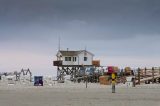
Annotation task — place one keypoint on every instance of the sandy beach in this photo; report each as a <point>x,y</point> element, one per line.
<point>74,94</point>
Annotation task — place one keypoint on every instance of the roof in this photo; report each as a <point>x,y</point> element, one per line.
<point>72,53</point>
<point>69,53</point>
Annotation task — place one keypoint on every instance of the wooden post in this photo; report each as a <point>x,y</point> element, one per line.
<point>113,83</point>
<point>139,76</point>
<point>152,75</point>
<point>145,71</point>
<point>159,70</point>
<point>134,81</point>
<point>57,73</point>
<point>31,78</point>
<point>86,81</point>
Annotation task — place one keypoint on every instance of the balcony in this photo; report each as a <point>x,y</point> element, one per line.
<point>57,63</point>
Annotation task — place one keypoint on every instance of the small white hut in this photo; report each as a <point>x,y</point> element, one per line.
<point>81,57</point>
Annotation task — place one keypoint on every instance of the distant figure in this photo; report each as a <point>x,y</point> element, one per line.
<point>132,72</point>
<point>36,83</point>
<point>41,82</point>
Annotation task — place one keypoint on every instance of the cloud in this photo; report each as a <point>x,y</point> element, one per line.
<point>111,19</point>
<point>115,29</point>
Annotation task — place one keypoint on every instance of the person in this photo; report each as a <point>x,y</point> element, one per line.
<point>41,82</point>
<point>132,72</point>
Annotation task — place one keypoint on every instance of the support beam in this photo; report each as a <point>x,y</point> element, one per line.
<point>145,71</point>
<point>152,74</point>
<point>159,70</point>
<point>139,75</point>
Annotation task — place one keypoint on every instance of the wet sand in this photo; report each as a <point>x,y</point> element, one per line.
<point>77,95</point>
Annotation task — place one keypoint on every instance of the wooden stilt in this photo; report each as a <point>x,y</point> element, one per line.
<point>139,75</point>
<point>152,74</point>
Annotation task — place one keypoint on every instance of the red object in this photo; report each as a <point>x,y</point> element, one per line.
<point>110,69</point>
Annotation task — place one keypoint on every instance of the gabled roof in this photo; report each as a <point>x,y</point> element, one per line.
<point>72,53</point>
<point>69,53</point>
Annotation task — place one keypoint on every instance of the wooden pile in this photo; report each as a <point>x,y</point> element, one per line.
<point>104,80</point>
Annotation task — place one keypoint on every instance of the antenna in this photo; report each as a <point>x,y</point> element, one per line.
<point>85,48</point>
<point>59,43</point>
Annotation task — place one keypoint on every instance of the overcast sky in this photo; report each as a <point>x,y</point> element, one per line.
<point>118,32</point>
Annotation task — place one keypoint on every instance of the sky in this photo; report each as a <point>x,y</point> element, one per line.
<point>118,32</point>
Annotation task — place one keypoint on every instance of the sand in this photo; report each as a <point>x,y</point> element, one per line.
<point>73,94</point>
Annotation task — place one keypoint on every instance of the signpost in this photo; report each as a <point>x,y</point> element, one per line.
<point>86,81</point>
<point>113,82</point>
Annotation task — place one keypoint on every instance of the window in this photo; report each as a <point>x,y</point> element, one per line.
<point>85,58</point>
<point>74,58</point>
<point>67,58</point>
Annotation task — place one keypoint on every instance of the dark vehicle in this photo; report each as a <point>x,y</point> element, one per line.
<point>38,80</point>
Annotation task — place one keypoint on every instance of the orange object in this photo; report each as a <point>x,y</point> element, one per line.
<point>96,63</point>
<point>104,80</point>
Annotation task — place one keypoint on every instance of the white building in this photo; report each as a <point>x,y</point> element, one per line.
<point>81,57</point>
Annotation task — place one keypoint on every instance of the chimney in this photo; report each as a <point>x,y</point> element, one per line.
<point>67,49</point>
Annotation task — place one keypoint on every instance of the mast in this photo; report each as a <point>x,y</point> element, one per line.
<point>59,43</point>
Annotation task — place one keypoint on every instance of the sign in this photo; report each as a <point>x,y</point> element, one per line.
<point>113,76</point>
